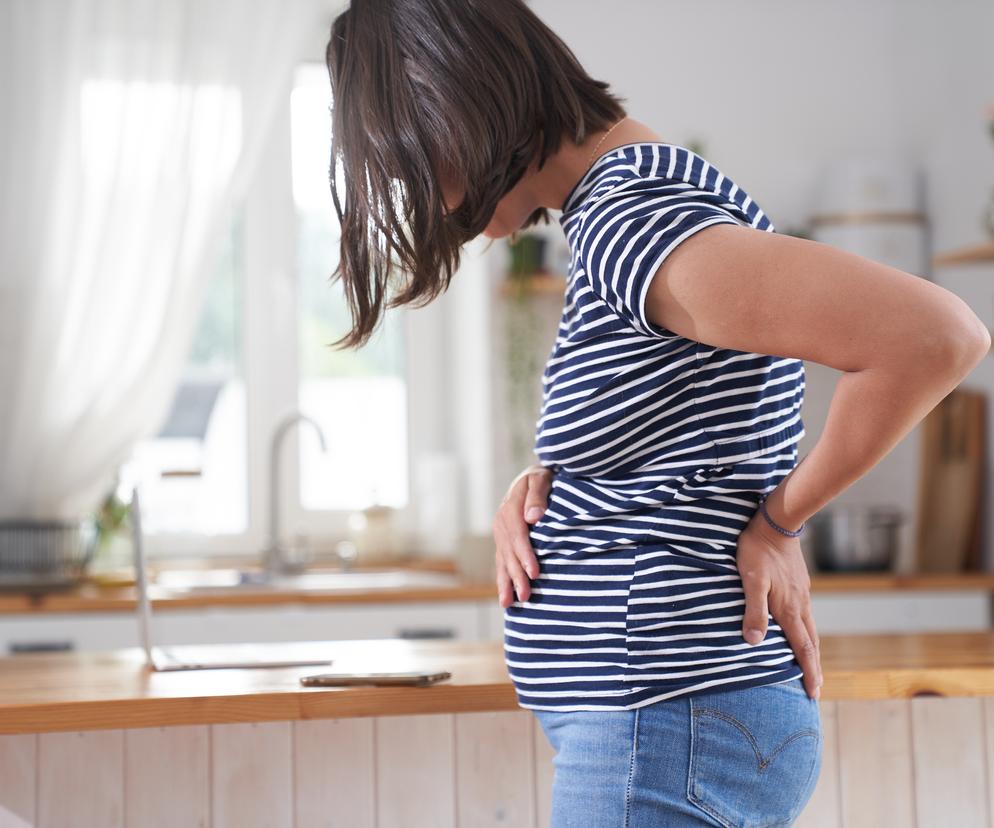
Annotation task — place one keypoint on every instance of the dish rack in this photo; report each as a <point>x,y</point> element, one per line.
<point>45,555</point>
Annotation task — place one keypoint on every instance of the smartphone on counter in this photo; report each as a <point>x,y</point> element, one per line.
<point>417,678</point>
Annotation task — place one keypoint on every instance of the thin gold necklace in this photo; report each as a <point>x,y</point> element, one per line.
<point>594,153</point>
<point>514,234</point>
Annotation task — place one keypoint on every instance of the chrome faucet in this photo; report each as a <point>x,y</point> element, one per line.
<point>275,559</point>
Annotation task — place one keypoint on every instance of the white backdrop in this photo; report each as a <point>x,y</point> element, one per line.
<point>127,130</point>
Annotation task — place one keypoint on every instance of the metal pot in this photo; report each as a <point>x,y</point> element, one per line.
<point>855,538</point>
<point>37,556</point>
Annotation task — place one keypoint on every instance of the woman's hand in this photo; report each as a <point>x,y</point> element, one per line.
<point>776,581</point>
<point>524,503</point>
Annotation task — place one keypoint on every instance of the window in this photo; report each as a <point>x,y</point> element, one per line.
<point>195,467</point>
<point>261,351</point>
<point>358,397</point>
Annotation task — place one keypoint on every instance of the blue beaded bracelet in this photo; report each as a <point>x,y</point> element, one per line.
<point>769,520</point>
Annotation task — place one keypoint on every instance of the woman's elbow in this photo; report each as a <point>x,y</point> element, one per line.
<point>959,345</point>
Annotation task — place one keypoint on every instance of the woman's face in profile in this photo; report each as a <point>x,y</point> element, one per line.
<point>512,210</point>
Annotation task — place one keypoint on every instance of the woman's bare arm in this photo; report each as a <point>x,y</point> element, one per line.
<point>903,342</point>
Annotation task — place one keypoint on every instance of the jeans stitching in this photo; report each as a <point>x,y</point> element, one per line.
<point>631,767</point>
<point>763,763</point>
<point>696,713</point>
<point>807,782</point>
<point>696,800</point>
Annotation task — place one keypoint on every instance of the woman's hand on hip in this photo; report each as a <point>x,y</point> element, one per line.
<point>524,503</point>
<point>776,582</point>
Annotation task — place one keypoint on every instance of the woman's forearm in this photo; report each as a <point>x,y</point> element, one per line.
<point>871,411</point>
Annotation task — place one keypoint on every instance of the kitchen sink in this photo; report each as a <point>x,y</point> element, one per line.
<point>226,580</point>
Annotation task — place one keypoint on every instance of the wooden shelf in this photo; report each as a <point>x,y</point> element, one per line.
<point>978,254</point>
<point>541,283</point>
<point>897,582</point>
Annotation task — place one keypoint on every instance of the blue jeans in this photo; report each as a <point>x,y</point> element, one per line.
<point>743,758</point>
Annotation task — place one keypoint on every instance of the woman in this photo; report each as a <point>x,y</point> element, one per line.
<point>660,624</point>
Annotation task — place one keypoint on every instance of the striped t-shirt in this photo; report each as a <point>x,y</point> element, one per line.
<point>661,447</point>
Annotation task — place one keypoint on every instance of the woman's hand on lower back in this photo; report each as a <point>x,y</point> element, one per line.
<point>524,503</point>
<point>776,582</point>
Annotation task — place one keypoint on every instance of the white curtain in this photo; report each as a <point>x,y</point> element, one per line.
<point>128,129</point>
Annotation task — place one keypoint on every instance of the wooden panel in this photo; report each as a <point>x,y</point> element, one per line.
<point>495,769</point>
<point>167,777</point>
<point>876,774</point>
<point>18,755</point>
<point>988,704</point>
<point>334,774</point>
<point>950,774</point>
<point>925,761</point>
<point>822,810</point>
<point>544,774</point>
<point>415,771</point>
<point>81,779</point>
<point>251,770</point>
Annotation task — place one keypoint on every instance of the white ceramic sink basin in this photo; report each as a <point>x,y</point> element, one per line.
<point>225,580</point>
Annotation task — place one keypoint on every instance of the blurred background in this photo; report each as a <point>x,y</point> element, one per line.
<point>167,237</point>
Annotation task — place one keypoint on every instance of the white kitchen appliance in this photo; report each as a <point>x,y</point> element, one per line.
<point>160,659</point>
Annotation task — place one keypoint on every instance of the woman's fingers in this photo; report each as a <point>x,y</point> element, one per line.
<point>804,649</point>
<point>756,586</point>
<point>505,593</point>
<point>537,497</point>
<point>525,502</point>
<point>512,566</point>
<point>512,515</point>
<point>521,544</point>
<point>809,623</point>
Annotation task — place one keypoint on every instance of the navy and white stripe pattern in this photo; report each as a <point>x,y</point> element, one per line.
<point>661,448</point>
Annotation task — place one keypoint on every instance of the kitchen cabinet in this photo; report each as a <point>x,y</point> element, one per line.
<point>83,632</point>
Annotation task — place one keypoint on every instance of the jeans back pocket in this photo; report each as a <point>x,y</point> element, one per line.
<point>755,754</point>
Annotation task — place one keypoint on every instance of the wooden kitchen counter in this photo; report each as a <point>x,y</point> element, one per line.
<point>94,598</point>
<point>92,691</point>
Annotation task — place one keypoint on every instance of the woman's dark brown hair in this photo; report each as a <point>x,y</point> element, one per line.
<point>468,93</point>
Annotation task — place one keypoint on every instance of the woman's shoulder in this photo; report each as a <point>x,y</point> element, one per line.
<point>648,178</point>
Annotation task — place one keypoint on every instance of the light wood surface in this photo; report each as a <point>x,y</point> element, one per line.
<point>492,793</point>
<point>18,762</point>
<point>899,763</point>
<point>950,769</point>
<point>334,772</point>
<point>950,483</point>
<point>161,761</point>
<point>976,254</point>
<point>876,738</point>
<point>73,789</point>
<point>422,761</point>
<point>91,598</point>
<point>252,773</point>
<point>44,692</point>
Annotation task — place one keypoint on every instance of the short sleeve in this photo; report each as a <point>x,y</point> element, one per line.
<point>628,232</point>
